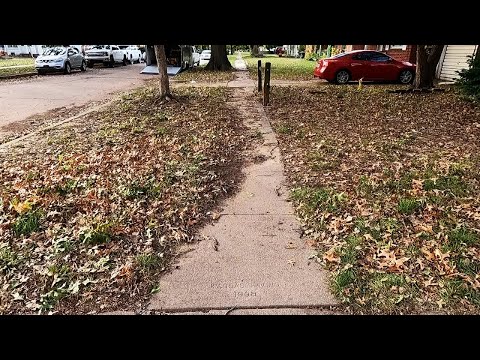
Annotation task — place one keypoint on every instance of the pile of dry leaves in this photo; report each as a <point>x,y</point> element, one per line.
<point>388,185</point>
<point>90,212</point>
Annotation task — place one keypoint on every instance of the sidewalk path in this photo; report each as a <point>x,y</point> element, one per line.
<point>252,260</point>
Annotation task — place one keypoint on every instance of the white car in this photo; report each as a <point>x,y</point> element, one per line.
<point>205,57</point>
<point>106,54</point>
<point>132,52</point>
<point>60,59</point>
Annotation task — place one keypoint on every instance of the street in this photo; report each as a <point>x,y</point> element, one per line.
<point>22,98</point>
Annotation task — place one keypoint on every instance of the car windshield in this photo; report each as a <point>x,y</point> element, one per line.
<point>101,47</point>
<point>55,51</point>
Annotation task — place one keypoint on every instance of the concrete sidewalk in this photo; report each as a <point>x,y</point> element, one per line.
<point>252,260</point>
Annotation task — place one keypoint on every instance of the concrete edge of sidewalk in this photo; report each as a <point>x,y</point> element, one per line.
<point>14,76</point>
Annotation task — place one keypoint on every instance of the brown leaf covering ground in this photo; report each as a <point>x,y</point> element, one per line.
<point>91,212</point>
<point>199,74</point>
<point>388,186</point>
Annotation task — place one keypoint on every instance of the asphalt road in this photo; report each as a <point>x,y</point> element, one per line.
<point>22,98</point>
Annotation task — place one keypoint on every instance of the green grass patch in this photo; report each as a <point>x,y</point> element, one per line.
<point>16,71</point>
<point>459,238</point>
<point>9,259</point>
<point>96,234</point>
<point>456,289</point>
<point>28,222</point>
<point>16,62</point>
<point>282,68</point>
<point>148,262</point>
<point>323,199</point>
<point>408,206</point>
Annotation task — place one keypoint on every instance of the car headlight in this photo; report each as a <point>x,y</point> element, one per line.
<point>59,60</point>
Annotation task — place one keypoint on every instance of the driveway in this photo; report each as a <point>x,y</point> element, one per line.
<point>22,98</point>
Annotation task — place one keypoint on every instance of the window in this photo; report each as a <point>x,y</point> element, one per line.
<point>379,57</point>
<point>362,56</point>
<point>399,47</point>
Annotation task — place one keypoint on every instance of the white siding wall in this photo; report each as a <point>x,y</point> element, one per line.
<point>23,49</point>
<point>454,59</point>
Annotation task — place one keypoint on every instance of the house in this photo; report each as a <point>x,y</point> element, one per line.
<point>292,50</point>
<point>454,58</point>
<point>25,50</point>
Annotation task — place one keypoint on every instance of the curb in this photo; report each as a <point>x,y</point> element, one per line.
<point>13,76</point>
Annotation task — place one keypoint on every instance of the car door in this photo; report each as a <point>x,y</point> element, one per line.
<point>71,57</point>
<point>382,67</point>
<point>359,65</point>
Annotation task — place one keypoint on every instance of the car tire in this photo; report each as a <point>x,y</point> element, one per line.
<point>124,61</point>
<point>111,63</point>
<point>83,67</point>
<point>406,77</point>
<point>342,77</point>
<point>68,68</point>
<point>90,64</point>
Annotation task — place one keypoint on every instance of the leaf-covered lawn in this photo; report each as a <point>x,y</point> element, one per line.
<point>91,212</point>
<point>282,68</point>
<point>199,74</point>
<point>388,186</point>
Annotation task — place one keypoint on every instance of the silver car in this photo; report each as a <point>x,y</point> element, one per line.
<point>60,59</point>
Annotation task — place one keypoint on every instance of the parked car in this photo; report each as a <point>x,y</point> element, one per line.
<point>205,57</point>
<point>365,65</point>
<point>106,54</point>
<point>280,50</point>
<point>60,59</point>
<point>132,53</point>
<point>196,56</point>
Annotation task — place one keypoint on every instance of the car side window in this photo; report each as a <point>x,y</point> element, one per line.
<point>380,58</point>
<point>362,56</point>
<point>70,52</point>
<point>115,48</point>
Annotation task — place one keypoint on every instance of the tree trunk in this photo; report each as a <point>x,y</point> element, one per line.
<point>218,59</point>
<point>162,71</point>
<point>255,50</point>
<point>427,61</point>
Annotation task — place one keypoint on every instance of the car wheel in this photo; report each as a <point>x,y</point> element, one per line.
<point>83,67</point>
<point>342,77</point>
<point>405,77</point>
<point>68,68</point>
<point>111,62</point>
<point>124,61</point>
<point>90,64</point>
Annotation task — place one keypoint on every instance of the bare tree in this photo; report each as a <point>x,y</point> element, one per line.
<point>164,84</point>
<point>218,59</point>
<point>427,61</point>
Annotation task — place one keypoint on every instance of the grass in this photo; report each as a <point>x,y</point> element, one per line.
<point>120,190</point>
<point>16,71</point>
<point>28,222</point>
<point>16,62</point>
<point>199,74</point>
<point>407,179</point>
<point>283,68</point>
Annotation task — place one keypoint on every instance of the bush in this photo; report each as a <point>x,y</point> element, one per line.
<point>469,80</point>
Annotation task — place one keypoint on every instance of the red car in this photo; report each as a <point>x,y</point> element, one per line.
<point>364,64</point>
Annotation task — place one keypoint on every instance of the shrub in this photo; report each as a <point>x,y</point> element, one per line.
<point>469,80</point>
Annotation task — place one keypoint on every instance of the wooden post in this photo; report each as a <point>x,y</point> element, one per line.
<point>266,86</point>
<point>259,70</point>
